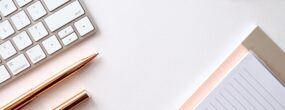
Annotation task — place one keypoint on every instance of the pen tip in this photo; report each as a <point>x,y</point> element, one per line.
<point>91,57</point>
<point>96,54</point>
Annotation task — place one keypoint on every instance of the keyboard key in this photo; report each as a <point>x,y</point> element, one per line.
<point>7,7</point>
<point>20,20</point>
<point>38,31</point>
<point>36,10</point>
<point>7,50</point>
<point>36,54</point>
<point>6,29</point>
<point>4,74</point>
<point>51,45</point>
<point>22,3</point>
<point>70,12</point>
<point>69,39</point>
<point>18,64</point>
<point>53,4</point>
<point>63,33</point>
<point>84,26</point>
<point>22,40</point>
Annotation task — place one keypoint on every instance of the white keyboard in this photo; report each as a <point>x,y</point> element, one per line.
<point>32,31</point>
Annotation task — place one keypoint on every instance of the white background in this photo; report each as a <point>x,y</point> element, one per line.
<point>153,53</point>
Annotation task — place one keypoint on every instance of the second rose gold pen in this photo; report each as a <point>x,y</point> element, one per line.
<point>27,97</point>
<point>73,101</point>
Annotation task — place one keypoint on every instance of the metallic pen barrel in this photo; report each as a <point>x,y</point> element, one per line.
<point>72,102</point>
<point>27,97</point>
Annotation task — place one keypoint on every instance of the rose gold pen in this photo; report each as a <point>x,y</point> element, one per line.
<point>73,101</point>
<point>27,97</point>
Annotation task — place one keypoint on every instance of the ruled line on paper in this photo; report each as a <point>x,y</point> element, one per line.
<point>228,101</point>
<point>213,106</point>
<point>219,102</point>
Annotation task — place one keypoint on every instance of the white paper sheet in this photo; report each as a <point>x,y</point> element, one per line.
<point>249,86</point>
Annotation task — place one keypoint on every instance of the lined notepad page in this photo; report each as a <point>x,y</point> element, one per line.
<point>249,86</point>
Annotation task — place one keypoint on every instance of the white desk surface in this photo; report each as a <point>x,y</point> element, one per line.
<point>153,53</point>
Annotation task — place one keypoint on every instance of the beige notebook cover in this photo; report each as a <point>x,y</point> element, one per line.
<point>258,42</point>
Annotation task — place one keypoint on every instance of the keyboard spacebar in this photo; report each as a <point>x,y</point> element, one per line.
<point>64,16</point>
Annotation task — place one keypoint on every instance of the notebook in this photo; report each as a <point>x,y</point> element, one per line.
<point>251,78</point>
<point>249,86</point>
